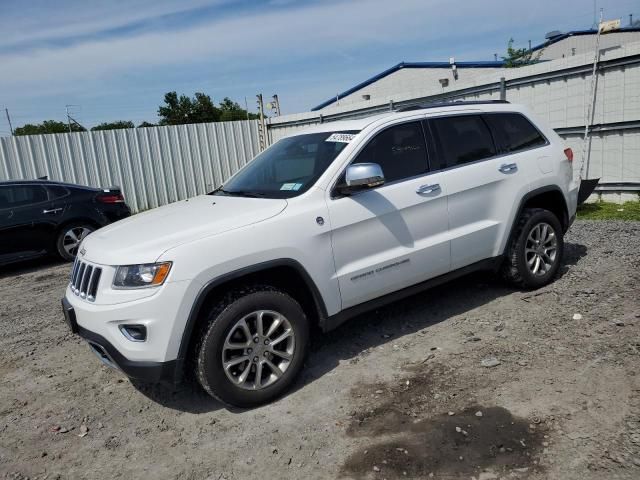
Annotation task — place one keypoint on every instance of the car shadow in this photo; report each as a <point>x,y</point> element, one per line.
<point>188,396</point>
<point>30,265</point>
<point>368,331</point>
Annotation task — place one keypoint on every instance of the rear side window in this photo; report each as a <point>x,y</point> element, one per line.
<point>57,191</point>
<point>460,139</point>
<point>21,195</point>
<point>514,132</point>
<point>399,150</point>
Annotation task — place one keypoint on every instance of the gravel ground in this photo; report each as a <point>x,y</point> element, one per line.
<point>469,380</point>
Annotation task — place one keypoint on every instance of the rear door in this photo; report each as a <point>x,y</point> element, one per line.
<point>395,235</point>
<point>482,184</point>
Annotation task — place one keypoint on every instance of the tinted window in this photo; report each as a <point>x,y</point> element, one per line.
<point>19,195</point>
<point>57,191</point>
<point>514,132</point>
<point>461,139</point>
<point>400,151</point>
<point>289,167</point>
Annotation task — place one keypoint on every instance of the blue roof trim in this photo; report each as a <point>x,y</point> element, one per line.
<point>401,65</point>
<point>576,33</point>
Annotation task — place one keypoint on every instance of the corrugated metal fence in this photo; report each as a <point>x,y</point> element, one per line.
<point>154,166</point>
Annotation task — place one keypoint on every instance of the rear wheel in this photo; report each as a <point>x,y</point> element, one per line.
<point>70,238</point>
<point>252,346</point>
<point>535,253</point>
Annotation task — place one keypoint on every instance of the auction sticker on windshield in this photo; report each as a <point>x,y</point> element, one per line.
<point>341,137</point>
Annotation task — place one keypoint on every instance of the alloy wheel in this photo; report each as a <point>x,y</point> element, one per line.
<point>541,249</point>
<point>258,349</point>
<point>73,238</point>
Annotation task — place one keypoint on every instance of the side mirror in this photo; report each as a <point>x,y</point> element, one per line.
<point>360,176</point>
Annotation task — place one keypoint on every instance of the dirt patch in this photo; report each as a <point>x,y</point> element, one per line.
<point>573,378</point>
<point>419,441</point>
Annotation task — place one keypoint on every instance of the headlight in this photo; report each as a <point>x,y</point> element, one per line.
<point>137,276</point>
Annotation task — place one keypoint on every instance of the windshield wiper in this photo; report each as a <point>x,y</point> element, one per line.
<point>239,193</point>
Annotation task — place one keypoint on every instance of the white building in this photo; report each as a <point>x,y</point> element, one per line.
<point>562,45</point>
<point>407,77</point>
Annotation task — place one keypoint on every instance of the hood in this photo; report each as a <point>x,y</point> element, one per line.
<point>143,237</point>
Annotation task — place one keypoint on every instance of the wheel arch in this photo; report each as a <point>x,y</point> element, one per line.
<point>83,219</point>
<point>284,273</point>
<point>550,198</point>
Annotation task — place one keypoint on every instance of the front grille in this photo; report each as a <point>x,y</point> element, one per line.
<point>85,279</point>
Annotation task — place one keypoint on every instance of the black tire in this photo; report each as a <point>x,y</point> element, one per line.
<point>515,268</point>
<point>219,322</point>
<point>61,246</point>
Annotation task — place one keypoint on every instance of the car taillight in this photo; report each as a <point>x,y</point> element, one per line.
<point>569,153</point>
<point>110,198</point>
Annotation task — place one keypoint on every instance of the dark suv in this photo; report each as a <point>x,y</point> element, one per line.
<point>40,216</point>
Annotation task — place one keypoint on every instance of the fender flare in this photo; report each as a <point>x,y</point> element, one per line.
<point>236,274</point>
<point>528,196</point>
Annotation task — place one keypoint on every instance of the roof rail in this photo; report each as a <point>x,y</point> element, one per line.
<point>449,104</point>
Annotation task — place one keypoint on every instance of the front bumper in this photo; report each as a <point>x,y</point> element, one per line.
<point>152,372</point>
<point>147,371</point>
<point>163,313</point>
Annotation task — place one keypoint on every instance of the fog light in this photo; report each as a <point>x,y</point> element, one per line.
<point>135,333</point>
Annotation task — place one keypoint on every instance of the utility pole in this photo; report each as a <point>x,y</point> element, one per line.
<point>262,128</point>
<point>6,110</point>
<point>246,107</point>
<point>66,107</point>
<point>276,104</point>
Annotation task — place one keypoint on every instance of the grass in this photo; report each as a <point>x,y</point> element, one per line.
<point>629,211</point>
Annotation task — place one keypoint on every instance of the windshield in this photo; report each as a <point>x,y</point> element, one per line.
<point>289,167</point>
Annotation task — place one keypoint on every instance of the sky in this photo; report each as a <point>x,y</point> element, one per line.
<point>115,60</point>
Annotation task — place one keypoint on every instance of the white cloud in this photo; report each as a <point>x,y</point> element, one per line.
<point>260,37</point>
<point>50,20</point>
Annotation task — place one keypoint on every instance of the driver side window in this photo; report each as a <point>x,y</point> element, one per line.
<point>400,150</point>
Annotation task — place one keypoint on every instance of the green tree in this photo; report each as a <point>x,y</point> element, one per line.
<point>178,110</point>
<point>113,125</point>
<point>48,126</point>
<point>520,57</point>
<point>182,109</point>
<point>146,124</point>
<point>233,111</point>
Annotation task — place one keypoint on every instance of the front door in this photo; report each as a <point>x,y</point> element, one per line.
<point>22,221</point>
<point>395,235</point>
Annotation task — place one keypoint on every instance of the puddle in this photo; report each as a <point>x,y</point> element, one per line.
<point>410,436</point>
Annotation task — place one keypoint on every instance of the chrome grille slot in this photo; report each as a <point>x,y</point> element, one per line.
<point>93,284</point>
<point>85,279</point>
<point>78,281</point>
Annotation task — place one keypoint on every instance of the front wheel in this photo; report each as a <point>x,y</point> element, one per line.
<point>252,346</point>
<point>535,253</point>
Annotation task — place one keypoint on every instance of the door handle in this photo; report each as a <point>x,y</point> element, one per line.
<point>508,168</point>
<point>428,188</point>
<point>52,211</point>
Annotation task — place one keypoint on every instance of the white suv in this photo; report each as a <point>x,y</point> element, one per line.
<point>321,226</point>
